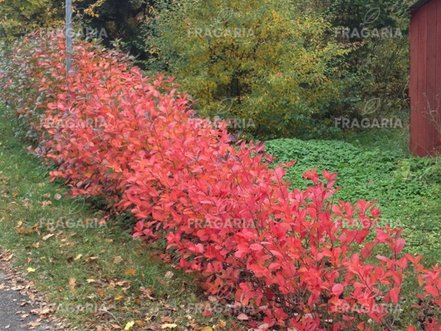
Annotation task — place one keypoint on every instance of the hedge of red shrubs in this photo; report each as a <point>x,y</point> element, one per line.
<point>297,259</point>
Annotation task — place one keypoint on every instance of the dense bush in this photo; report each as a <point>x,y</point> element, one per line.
<point>293,257</point>
<point>272,62</point>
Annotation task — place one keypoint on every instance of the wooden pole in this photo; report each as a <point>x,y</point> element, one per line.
<point>69,36</point>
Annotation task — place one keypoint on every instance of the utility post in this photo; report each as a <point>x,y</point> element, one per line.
<point>69,36</point>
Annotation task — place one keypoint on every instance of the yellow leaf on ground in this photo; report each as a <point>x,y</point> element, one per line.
<point>222,324</point>
<point>130,272</point>
<point>119,297</point>
<point>129,325</point>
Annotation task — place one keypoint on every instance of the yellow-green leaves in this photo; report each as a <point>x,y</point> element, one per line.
<point>258,60</point>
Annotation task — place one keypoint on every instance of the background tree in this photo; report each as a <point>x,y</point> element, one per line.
<point>266,61</point>
<point>18,17</point>
<point>127,23</point>
<point>379,64</point>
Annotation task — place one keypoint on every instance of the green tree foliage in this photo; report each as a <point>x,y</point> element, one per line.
<point>260,60</point>
<point>379,65</point>
<point>17,17</point>
<point>125,24</point>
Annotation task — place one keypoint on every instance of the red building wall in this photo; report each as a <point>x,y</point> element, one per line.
<point>425,78</point>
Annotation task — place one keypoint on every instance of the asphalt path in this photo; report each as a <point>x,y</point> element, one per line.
<point>16,308</point>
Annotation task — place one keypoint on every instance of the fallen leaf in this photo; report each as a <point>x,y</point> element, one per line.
<point>48,236</point>
<point>129,325</point>
<point>100,292</point>
<point>23,230</point>
<point>92,258</point>
<point>30,269</point>
<point>44,311</point>
<point>222,324</point>
<point>130,272</point>
<point>34,324</point>
<point>46,203</point>
<point>119,297</point>
<point>72,284</point>
<point>8,258</point>
<point>117,259</point>
<point>139,323</point>
<point>169,326</point>
<point>147,293</point>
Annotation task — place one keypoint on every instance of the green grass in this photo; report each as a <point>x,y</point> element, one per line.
<point>407,189</point>
<point>395,141</point>
<point>84,264</point>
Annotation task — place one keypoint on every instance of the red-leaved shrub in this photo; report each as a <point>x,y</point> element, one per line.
<point>295,258</point>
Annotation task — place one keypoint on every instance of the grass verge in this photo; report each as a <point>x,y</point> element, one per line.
<point>95,275</point>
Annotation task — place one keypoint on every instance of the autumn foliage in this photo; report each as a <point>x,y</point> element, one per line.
<point>296,258</point>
